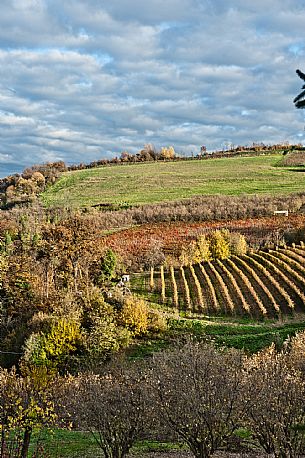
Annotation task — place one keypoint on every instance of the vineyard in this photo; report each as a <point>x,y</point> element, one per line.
<point>260,284</point>
<point>135,244</point>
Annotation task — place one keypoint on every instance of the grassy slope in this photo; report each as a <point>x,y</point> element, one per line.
<point>243,334</point>
<point>249,336</point>
<point>157,182</point>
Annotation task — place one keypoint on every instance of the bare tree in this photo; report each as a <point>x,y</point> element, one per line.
<point>113,406</point>
<point>275,397</point>
<point>155,254</point>
<point>148,153</point>
<point>198,393</point>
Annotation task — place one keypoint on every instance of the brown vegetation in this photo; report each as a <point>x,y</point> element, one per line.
<point>147,244</point>
<point>24,188</point>
<point>201,395</point>
<point>294,158</point>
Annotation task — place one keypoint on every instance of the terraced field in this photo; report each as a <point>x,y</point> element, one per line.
<point>260,284</point>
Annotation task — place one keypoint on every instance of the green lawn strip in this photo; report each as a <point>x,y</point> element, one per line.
<point>252,343</point>
<point>146,446</point>
<point>251,338</point>
<point>157,182</point>
<point>147,347</point>
<point>62,443</point>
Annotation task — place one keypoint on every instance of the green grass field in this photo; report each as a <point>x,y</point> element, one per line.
<point>62,443</point>
<point>251,336</point>
<point>244,334</point>
<point>157,182</point>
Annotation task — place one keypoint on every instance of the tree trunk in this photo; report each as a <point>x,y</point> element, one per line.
<point>26,442</point>
<point>2,441</point>
<point>200,450</point>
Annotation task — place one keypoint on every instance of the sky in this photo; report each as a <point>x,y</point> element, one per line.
<point>82,80</point>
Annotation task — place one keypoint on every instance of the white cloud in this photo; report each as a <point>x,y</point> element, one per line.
<point>81,79</point>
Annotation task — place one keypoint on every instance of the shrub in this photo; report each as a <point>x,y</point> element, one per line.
<point>296,355</point>
<point>219,244</point>
<point>102,333</point>
<point>134,315</point>
<point>52,348</point>
<point>156,321</point>
<point>238,244</point>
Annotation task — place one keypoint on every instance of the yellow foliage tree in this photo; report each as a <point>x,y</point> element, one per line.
<point>134,315</point>
<point>167,152</point>
<point>219,245</point>
<point>238,244</point>
<point>203,252</point>
<point>189,254</point>
<point>51,348</point>
<point>25,405</point>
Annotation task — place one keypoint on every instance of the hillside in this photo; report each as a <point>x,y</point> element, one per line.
<point>154,182</point>
<point>116,293</point>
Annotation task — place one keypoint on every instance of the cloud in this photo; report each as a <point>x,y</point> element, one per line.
<point>82,80</point>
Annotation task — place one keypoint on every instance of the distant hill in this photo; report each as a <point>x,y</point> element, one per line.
<point>154,182</point>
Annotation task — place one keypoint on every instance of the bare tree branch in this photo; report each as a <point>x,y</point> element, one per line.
<point>299,100</point>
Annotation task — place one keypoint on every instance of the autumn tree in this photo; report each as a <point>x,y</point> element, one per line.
<point>274,393</point>
<point>198,393</point>
<point>148,153</point>
<point>195,252</point>
<point>238,244</point>
<point>155,254</point>
<point>203,249</point>
<point>25,404</point>
<point>219,245</point>
<point>126,157</point>
<point>69,250</point>
<point>167,152</point>
<point>54,347</point>
<point>113,406</point>
<point>133,315</point>
<point>189,254</point>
